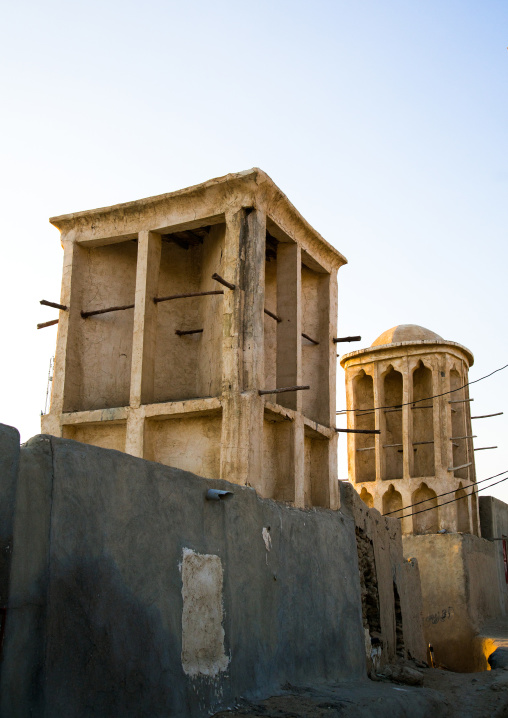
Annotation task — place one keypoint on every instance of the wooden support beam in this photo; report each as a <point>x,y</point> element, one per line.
<point>85,315</point>
<point>282,390</point>
<point>358,431</point>
<point>484,448</point>
<point>272,315</point>
<point>310,339</point>
<point>221,280</point>
<point>47,324</point>
<point>183,332</point>
<point>419,443</point>
<point>459,401</point>
<point>346,339</point>
<point>391,446</point>
<point>486,416</point>
<point>63,307</point>
<point>462,466</point>
<point>369,448</point>
<point>422,407</point>
<point>456,438</point>
<point>184,296</point>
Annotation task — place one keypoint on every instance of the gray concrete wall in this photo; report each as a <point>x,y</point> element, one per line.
<point>9,461</point>
<point>398,581</point>
<point>460,588</point>
<point>131,595</point>
<point>494,526</point>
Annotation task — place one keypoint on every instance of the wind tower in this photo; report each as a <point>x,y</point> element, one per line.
<point>196,330</point>
<point>409,386</point>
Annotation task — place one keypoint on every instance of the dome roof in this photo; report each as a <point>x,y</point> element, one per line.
<point>406,333</point>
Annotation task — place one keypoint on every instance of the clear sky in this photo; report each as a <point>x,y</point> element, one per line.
<point>385,123</point>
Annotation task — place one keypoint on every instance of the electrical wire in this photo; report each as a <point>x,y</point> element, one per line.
<point>461,498</point>
<point>445,493</point>
<point>417,401</point>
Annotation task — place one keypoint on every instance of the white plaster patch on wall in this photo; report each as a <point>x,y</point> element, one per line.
<point>202,631</point>
<point>267,538</point>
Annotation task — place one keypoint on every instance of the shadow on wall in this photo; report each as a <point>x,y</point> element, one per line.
<point>127,649</point>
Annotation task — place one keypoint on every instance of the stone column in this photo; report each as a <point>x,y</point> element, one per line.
<point>69,295</point>
<point>407,429</point>
<point>333,486</point>
<point>289,331</point>
<point>243,347</point>
<point>378,438</point>
<point>143,338</point>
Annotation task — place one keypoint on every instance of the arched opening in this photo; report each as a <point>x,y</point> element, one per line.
<point>399,628</point>
<point>392,503</point>
<point>462,510</point>
<point>459,425</point>
<point>367,498</point>
<point>425,516</point>
<point>392,439</point>
<point>365,452</point>
<point>371,613</point>
<point>422,414</point>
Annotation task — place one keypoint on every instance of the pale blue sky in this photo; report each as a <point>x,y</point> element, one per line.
<point>385,123</point>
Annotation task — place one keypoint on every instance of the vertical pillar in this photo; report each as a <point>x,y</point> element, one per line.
<point>143,338</point>
<point>289,331</point>
<point>407,429</point>
<point>378,438</point>
<point>439,385</point>
<point>69,295</point>
<point>333,486</point>
<point>243,347</point>
<point>469,427</point>
<point>297,459</point>
<point>446,414</point>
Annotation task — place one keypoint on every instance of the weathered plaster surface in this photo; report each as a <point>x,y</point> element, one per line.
<point>202,631</point>
<point>460,588</point>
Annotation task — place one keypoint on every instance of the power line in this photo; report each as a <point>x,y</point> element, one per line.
<point>444,494</point>
<point>422,511</point>
<point>417,401</point>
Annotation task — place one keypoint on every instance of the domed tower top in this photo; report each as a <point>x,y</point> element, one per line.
<point>408,402</point>
<point>406,333</point>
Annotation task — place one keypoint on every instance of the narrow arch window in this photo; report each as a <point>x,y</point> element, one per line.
<point>392,503</point>
<point>399,628</point>
<point>459,426</point>
<point>365,453</point>
<point>392,437</point>
<point>367,498</point>
<point>422,415</point>
<point>462,510</point>
<point>425,516</point>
